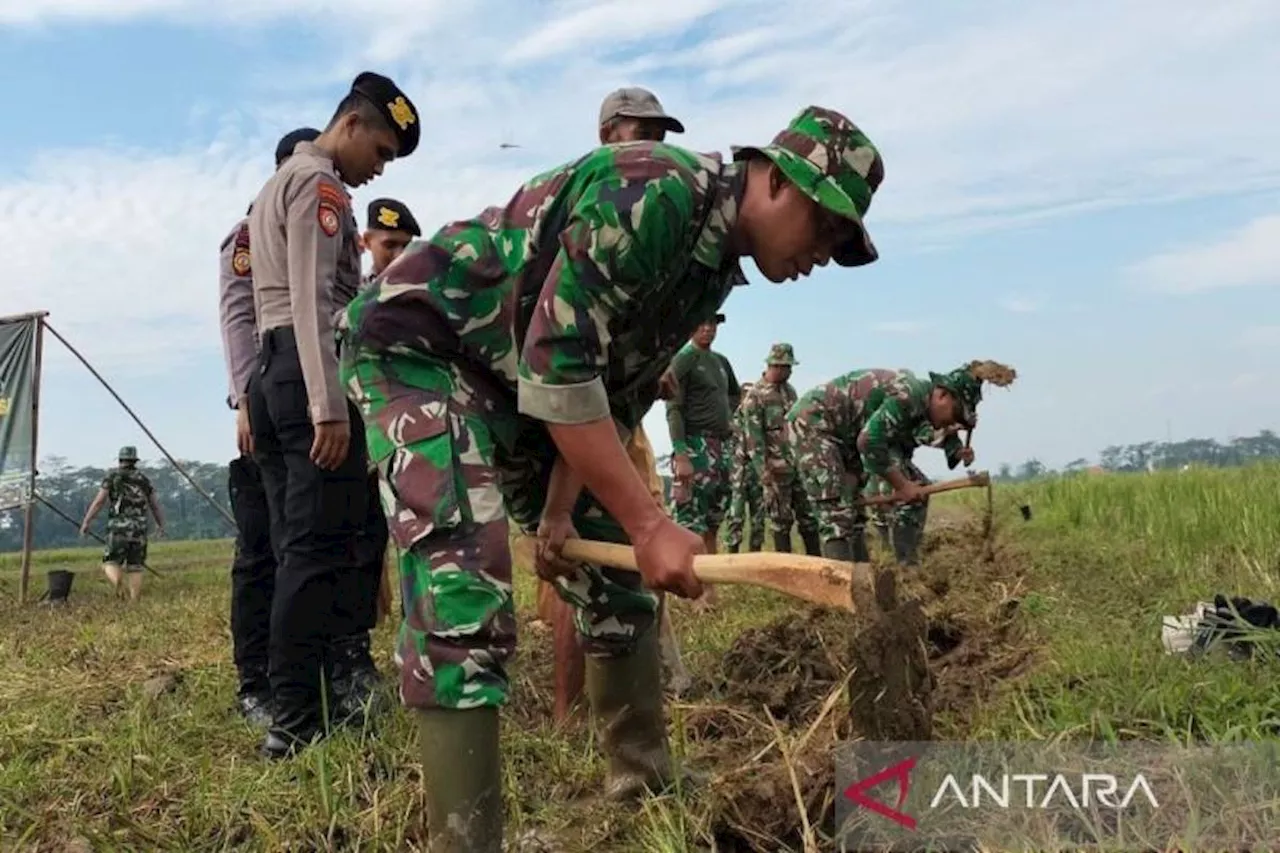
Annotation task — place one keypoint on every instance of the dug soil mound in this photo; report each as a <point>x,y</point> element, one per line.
<point>790,690</point>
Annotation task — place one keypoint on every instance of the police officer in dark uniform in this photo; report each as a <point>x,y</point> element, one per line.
<point>308,439</point>
<point>253,567</point>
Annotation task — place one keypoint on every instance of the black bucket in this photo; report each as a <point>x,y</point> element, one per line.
<point>60,585</point>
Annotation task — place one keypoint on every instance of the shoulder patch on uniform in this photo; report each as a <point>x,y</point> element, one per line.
<point>331,201</point>
<point>240,262</point>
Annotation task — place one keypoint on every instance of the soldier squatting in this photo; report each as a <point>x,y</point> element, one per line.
<point>495,373</point>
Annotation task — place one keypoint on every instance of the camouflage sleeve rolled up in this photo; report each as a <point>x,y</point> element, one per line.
<point>893,423</point>
<point>621,238</point>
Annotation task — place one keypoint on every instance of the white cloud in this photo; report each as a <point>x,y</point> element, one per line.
<point>988,118</point>
<point>900,327</point>
<point>1248,256</point>
<point>1016,304</point>
<point>1259,337</point>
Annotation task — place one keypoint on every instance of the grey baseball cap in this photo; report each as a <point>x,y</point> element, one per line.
<point>635,102</point>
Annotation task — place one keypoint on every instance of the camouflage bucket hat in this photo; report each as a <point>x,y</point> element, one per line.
<point>834,163</point>
<point>781,354</point>
<point>964,387</point>
<point>128,453</point>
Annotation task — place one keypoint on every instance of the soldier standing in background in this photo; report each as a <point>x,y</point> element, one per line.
<point>481,418</point>
<point>745,501</point>
<point>626,115</point>
<point>308,439</point>
<point>128,494</point>
<point>764,421</point>
<point>253,568</point>
<point>700,420</point>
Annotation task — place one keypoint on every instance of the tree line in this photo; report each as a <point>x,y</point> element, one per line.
<point>189,516</point>
<point>1157,456</point>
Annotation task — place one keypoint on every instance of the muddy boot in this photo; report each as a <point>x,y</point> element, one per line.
<point>732,549</point>
<point>782,542</point>
<point>355,679</point>
<point>254,697</point>
<point>462,775</point>
<point>812,546</point>
<point>906,544</point>
<point>626,702</point>
<point>757,540</point>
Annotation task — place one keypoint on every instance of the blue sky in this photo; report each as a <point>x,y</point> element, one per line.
<point>1086,191</point>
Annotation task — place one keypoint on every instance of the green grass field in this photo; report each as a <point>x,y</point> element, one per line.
<point>117,730</point>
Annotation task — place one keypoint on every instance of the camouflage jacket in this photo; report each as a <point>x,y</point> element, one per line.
<point>764,420</point>
<point>883,413</point>
<point>577,293</point>
<point>128,501</point>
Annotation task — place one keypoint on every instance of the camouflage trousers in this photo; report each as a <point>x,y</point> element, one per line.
<point>785,502</point>
<point>888,516</point>
<point>700,505</point>
<point>455,463</point>
<point>746,501</point>
<point>828,470</point>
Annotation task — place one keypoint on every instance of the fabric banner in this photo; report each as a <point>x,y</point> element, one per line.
<point>17,379</point>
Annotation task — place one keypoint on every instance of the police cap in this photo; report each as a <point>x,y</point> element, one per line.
<point>387,214</point>
<point>284,148</point>
<point>400,113</point>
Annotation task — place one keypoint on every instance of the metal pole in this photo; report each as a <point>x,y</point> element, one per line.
<point>28,512</point>
<point>138,421</point>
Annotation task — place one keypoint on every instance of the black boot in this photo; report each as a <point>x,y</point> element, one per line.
<point>837,549</point>
<point>731,549</point>
<point>906,544</point>
<point>355,679</point>
<point>782,541</point>
<point>294,726</point>
<point>812,546</point>
<point>254,697</point>
<point>858,547</point>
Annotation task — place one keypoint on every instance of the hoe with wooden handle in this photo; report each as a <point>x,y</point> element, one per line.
<point>975,480</point>
<point>815,579</point>
<point>818,580</point>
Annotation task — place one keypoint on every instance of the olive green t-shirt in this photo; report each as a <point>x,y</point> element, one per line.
<point>706,397</point>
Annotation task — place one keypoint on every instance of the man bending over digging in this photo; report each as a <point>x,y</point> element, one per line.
<point>860,423</point>
<point>501,364</point>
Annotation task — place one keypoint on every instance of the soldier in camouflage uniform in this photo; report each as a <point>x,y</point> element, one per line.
<point>769,447</point>
<point>128,494</point>
<point>745,501</point>
<point>901,526</point>
<point>500,366</point>
<point>856,426</point>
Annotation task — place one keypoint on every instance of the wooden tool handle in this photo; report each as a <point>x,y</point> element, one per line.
<point>975,480</point>
<point>815,579</point>
<point>710,568</point>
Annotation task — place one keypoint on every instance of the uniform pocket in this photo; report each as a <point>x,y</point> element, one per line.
<point>411,442</point>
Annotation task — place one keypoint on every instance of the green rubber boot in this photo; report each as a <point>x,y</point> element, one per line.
<point>626,703</point>
<point>462,774</point>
